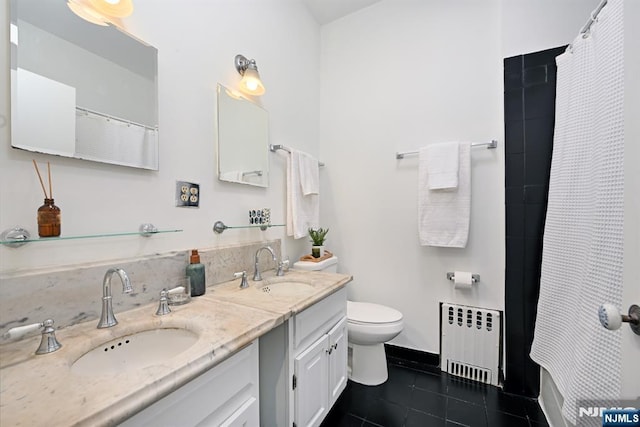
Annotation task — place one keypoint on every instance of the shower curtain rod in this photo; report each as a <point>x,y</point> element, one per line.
<point>594,15</point>
<point>492,144</point>
<point>86,112</point>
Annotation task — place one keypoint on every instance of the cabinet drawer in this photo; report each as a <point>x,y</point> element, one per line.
<point>245,415</point>
<point>318,319</point>
<point>218,395</point>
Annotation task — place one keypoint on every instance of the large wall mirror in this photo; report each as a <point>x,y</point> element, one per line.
<point>243,140</point>
<point>81,90</point>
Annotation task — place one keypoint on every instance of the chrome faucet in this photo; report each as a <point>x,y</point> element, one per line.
<point>48,341</point>
<point>244,284</point>
<point>107,319</point>
<point>256,271</point>
<point>163,307</point>
<point>281,266</point>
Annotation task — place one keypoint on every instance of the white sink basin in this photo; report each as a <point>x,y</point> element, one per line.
<point>134,351</point>
<point>287,288</point>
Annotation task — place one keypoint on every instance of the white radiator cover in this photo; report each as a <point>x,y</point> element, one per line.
<point>470,342</point>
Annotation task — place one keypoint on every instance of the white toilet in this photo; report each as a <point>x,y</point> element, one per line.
<point>369,326</point>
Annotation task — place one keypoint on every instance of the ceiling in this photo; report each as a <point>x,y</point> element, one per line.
<point>326,11</point>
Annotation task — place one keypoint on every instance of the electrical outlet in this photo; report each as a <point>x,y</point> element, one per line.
<point>260,216</point>
<point>187,194</point>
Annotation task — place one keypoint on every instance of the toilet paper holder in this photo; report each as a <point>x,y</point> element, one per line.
<point>475,278</point>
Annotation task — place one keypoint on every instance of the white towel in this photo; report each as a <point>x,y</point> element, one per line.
<point>309,172</point>
<point>442,165</point>
<point>443,215</point>
<point>302,211</point>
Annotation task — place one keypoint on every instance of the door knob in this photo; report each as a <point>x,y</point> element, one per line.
<point>611,318</point>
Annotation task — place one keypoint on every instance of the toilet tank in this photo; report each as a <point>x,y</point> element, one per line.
<point>329,265</point>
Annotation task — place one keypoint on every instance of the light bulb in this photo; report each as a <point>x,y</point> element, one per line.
<point>251,82</point>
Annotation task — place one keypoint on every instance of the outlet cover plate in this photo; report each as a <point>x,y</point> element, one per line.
<point>187,194</point>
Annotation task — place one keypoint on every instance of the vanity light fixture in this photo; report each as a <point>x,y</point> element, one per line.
<point>250,82</point>
<point>100,12</point>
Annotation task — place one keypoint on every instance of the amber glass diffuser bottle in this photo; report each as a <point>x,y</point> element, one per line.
<point>49,219</point>
<point>49,213</point>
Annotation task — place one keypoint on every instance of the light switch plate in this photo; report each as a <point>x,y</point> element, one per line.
<point>187,194</point>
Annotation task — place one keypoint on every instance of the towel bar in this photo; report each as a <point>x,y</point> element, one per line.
<point>276,147</point>
<point>492,144</point>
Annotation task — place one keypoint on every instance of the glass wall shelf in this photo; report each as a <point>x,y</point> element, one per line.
<point>17,237</point>
<point>219,226</point>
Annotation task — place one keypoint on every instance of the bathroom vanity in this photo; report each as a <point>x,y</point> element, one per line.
<point>239,371</point>
<point>303,360</point>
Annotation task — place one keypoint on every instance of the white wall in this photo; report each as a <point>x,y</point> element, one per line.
<point>396,76</point>
<point>399,75</point>
<point>392,77</point>
<point>197,44</point>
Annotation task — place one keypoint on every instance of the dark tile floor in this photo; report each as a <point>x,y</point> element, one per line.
<point>424,398</point>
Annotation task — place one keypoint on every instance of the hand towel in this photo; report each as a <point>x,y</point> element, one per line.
<point>302,211</point>
<point>309,172</point>
<point>442,165</point>
<point>443,215</point>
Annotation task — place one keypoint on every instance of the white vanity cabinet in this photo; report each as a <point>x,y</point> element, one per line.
<point>226,395</point>
<point>319,359</point>
<point>303,364</point>
<point>320,373</point>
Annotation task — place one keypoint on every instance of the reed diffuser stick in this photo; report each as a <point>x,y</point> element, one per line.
<point>40,178</point>
<point>50,186</point>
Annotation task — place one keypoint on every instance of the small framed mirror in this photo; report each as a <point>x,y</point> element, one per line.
<point>243,140</point>
<point>81,90</point>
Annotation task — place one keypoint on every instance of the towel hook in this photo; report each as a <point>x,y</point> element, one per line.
<point>611,318</point>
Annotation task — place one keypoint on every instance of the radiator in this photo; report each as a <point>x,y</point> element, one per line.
<point>470,342</point>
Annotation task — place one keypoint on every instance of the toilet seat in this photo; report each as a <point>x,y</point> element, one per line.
<point>370,313</point>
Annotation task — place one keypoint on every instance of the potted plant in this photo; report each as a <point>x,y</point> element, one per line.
<point>318,237</point>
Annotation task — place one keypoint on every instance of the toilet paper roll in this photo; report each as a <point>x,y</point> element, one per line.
<point>462,280</point>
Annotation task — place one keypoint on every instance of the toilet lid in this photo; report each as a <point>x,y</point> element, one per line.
<point>366,312</point>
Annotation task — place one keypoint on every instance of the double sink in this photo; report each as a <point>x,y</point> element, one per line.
<point>155,346</point>
<point>103,376</point>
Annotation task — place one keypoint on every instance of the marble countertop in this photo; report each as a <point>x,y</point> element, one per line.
<point>44,391</point>
<point>282,302</point>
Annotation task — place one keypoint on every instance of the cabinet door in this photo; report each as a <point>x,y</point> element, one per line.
<point>337,360</point>
<point>311,399</point>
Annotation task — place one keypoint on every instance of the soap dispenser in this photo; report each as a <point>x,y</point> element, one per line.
<point>195,271</point>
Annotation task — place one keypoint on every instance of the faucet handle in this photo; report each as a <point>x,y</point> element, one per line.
<point>48,342</point>
<point>20,331</point>
<point>163,307</point>
<point>243,283</point>
<point>281,266</point>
